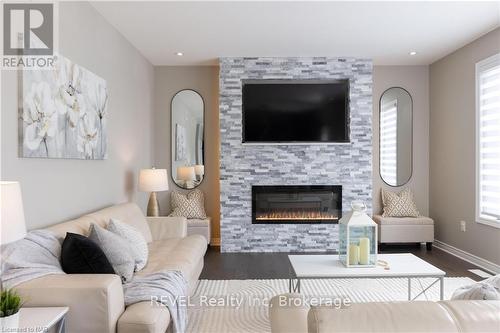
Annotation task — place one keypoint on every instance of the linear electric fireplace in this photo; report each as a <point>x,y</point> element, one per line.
<point>296,204</point>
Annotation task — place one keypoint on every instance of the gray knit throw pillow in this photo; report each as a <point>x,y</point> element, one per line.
<point>116,250</point>
<point>135,240</point>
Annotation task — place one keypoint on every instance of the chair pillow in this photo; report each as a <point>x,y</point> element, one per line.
<point>399,204</point>
<point>190,206</point>
<point>80,255</point>
<point>116,249</point>
<point>136,241</point>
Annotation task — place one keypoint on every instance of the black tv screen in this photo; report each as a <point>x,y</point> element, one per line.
<point>295,111</point>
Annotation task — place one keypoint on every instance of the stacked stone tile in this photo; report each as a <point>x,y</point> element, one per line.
<point>243,165</point>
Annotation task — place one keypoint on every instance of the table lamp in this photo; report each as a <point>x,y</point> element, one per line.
<point>153,180</point>
<point>13,225</point>
<point>187,174</point>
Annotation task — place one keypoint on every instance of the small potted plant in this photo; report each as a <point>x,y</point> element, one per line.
<point>10,304</point>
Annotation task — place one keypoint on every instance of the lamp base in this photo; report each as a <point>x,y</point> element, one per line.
<point>153,205</point>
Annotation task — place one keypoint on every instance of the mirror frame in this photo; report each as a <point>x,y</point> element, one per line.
<point>379,137</point>
<point>171,150</point>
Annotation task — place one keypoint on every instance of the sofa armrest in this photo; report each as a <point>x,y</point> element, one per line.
<point>164,227</point>
<point>288,313</point>
<point>95,301</point>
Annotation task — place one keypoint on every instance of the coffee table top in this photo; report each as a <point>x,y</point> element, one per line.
<point>329,266</point>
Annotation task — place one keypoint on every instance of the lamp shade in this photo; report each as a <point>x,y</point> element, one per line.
<point>199,169</point>
<point>153,180</point>
<point>13,225</point>
<point>186,173</point>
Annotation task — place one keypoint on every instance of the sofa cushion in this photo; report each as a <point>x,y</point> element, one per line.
<point>116,249</point>
<point>80,226</point>
<point>144,317</point>
<point>80,255</point>
<point>288,313</point>
<point>128,213</point>
<point>138,245</point>
<point>181,254</point>
<point>421,220</point>
<point>382,317</point>
<point>474,316</point>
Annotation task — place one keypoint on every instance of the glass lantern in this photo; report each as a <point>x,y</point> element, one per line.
<point>358,238</point>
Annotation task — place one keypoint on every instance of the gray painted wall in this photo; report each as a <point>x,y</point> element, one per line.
<point>452,152</point>
<point>349,164</point>
<point>55,190</point>
<point>415,79</point>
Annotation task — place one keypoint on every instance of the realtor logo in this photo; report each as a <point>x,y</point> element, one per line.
<point>29,37</point>
<point>28,29</point>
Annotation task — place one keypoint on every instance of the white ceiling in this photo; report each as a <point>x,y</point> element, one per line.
<point>384,31</point>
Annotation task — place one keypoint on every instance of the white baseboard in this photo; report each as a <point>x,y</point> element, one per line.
<point>473,259</point>
<point>215,242</point>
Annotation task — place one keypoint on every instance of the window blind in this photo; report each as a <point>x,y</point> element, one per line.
<point>488,108</point>
<point>388,142</point>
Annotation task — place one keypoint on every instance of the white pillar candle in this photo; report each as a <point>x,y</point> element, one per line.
<point>353,254</point>
<point>364,251</point>
<point>185,173</point>
<point>199,169</point>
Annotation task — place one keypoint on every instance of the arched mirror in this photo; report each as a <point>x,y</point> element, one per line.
<point>187,128</point>
<point>396,136</point>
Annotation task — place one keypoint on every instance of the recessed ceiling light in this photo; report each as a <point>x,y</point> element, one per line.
<point>180,54</point>
<point>413,52</point>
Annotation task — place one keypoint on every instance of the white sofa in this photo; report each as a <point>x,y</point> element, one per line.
<point>416,316</point>
<point>96,301</point>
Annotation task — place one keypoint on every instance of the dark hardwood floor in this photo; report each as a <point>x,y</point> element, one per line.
<point>225,266</point>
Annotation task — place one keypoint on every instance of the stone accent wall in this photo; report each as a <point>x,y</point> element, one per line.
<point>242,166</point>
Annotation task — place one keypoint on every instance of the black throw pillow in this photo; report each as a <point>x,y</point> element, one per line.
<point>80,255</point>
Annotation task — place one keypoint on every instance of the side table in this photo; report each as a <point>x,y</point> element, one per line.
<point>42,319</point>
<point>199,227</point>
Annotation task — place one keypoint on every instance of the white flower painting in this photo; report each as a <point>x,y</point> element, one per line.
<point>63,113</point>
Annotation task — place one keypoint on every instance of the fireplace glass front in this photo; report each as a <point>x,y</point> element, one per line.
<point>296,204</point>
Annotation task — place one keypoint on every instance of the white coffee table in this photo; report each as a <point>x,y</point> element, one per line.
<point>402,265</point>
<point>42,319</point>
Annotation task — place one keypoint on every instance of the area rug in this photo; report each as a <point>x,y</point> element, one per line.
<point>240,306</point>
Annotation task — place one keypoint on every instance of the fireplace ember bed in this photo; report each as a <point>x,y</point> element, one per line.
<point>296,204</point>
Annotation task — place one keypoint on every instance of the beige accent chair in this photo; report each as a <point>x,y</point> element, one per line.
<point>96,301</point>
<point>415,316</point>
<point>405,230</point>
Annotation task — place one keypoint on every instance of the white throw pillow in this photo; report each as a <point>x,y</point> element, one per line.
<point>190,206</point>
<point>136,240</point>
<point>399,204</point>
<point>494,281</point>
<point>477,291</point>
<point>116,250</point>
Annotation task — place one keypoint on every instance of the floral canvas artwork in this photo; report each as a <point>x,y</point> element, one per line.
<point>63,113</point>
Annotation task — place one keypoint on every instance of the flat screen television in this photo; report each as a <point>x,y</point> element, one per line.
<point>292,111</point>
